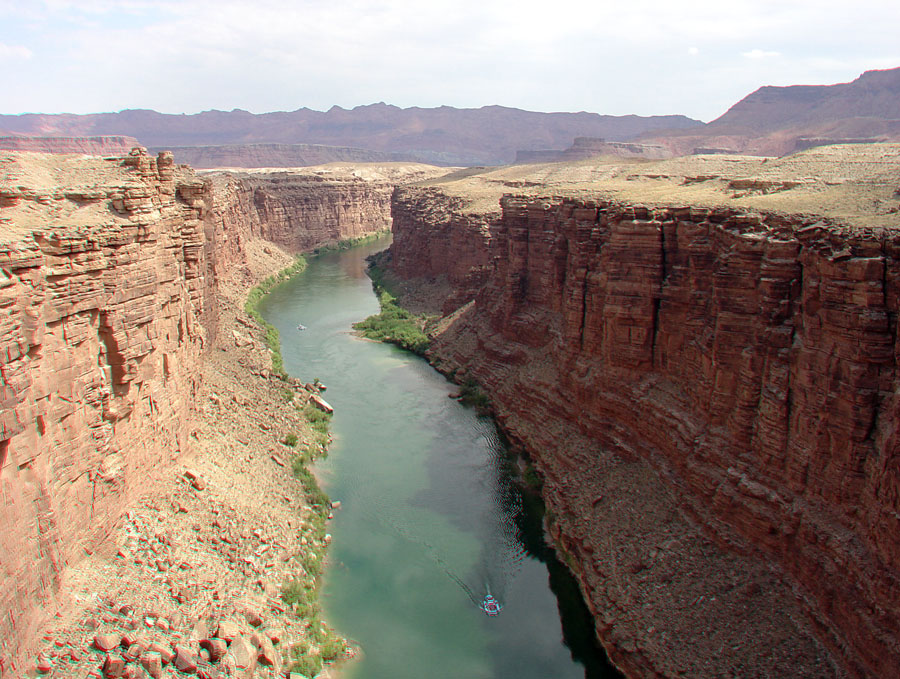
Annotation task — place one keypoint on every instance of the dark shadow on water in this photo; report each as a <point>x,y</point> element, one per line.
<point>577,622</point>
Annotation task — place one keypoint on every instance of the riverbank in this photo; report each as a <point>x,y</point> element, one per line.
<point>209,553</point>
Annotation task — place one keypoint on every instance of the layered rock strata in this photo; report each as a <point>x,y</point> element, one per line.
<point>434,239</point>
<point>303,209</point>
<point>273,155</point>
<point>731,368</point>
<point>105,294</point>
<point>95,146</point>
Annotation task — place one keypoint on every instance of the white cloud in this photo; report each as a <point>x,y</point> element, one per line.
<point>693,51</point>
<point>14,52</point>
<point>760,54</point>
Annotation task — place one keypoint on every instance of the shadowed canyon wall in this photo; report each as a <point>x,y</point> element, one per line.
<point>427,228</point>
<point>108,275</point>
<point>748,363</point>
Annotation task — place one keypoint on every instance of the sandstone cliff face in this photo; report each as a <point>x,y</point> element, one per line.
<point>299,211</point>
<point>108,275</point>
<point>741,368</point>
<point>432,238</point>
<point>96,146</point>
<point>105,297</point>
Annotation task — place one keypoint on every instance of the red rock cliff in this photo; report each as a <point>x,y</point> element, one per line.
<point>301,210</point>
<point>97,146</point>
<point>740,368</point>
<point>105,280</point>
<point>108,269</point>
<point>433,239</point>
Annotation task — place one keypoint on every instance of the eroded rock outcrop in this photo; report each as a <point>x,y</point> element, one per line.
<point>105,282</point>
<point>683,366</point>
<point>111,276</point>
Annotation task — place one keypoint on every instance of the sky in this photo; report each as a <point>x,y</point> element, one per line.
<point>616,57</point>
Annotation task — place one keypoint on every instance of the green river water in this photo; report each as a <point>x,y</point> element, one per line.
<point>429,519</point>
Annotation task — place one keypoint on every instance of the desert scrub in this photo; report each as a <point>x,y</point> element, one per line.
<point>273,341</point>
<point>319,421</point>
<point>470,394</point>
<point>322,644</point>
<point>395,325</point>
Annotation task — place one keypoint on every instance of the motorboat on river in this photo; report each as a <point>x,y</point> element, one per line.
<point>491,606</point>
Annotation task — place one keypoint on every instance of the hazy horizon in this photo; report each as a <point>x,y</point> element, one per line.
<point>648,57</point>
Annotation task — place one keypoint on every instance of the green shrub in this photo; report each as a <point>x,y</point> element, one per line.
<point>395,325</point>
<point>320,422</point>
<point>307,665</point>
<point>291,440</point>
<point>272,339</point>
<point>333,648</point>
<point>471,394</point>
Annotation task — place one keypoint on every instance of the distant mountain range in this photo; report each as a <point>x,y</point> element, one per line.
<point>770,121</point>
<point>780,120</point>
<point>485,136</point>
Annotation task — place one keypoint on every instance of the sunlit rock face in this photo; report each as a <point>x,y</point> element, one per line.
<point>107,145</point>
<point>105,289</point>
<point>736,369</point>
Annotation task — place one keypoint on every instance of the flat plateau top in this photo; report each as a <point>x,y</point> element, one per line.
<point>58,190</point>
<point>394,173</point>
<point>854,184</point>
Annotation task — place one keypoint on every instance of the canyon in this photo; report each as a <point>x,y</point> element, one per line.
<point>700,360</point>
<point>697,355</point>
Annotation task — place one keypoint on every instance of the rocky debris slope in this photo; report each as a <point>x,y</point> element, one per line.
<point>709,395</point>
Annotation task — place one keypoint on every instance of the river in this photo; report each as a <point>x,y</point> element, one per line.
<point>429,520</point>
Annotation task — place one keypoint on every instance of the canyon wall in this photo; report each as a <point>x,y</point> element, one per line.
<point>95,146</point>
<point>738,368</point>
<point>105,290</point>
<point>299,211</point>
<point>273,155</point>
<point>427,227</point>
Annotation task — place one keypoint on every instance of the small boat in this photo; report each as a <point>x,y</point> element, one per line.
<point>301,327</point>
<point>491,606</point>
